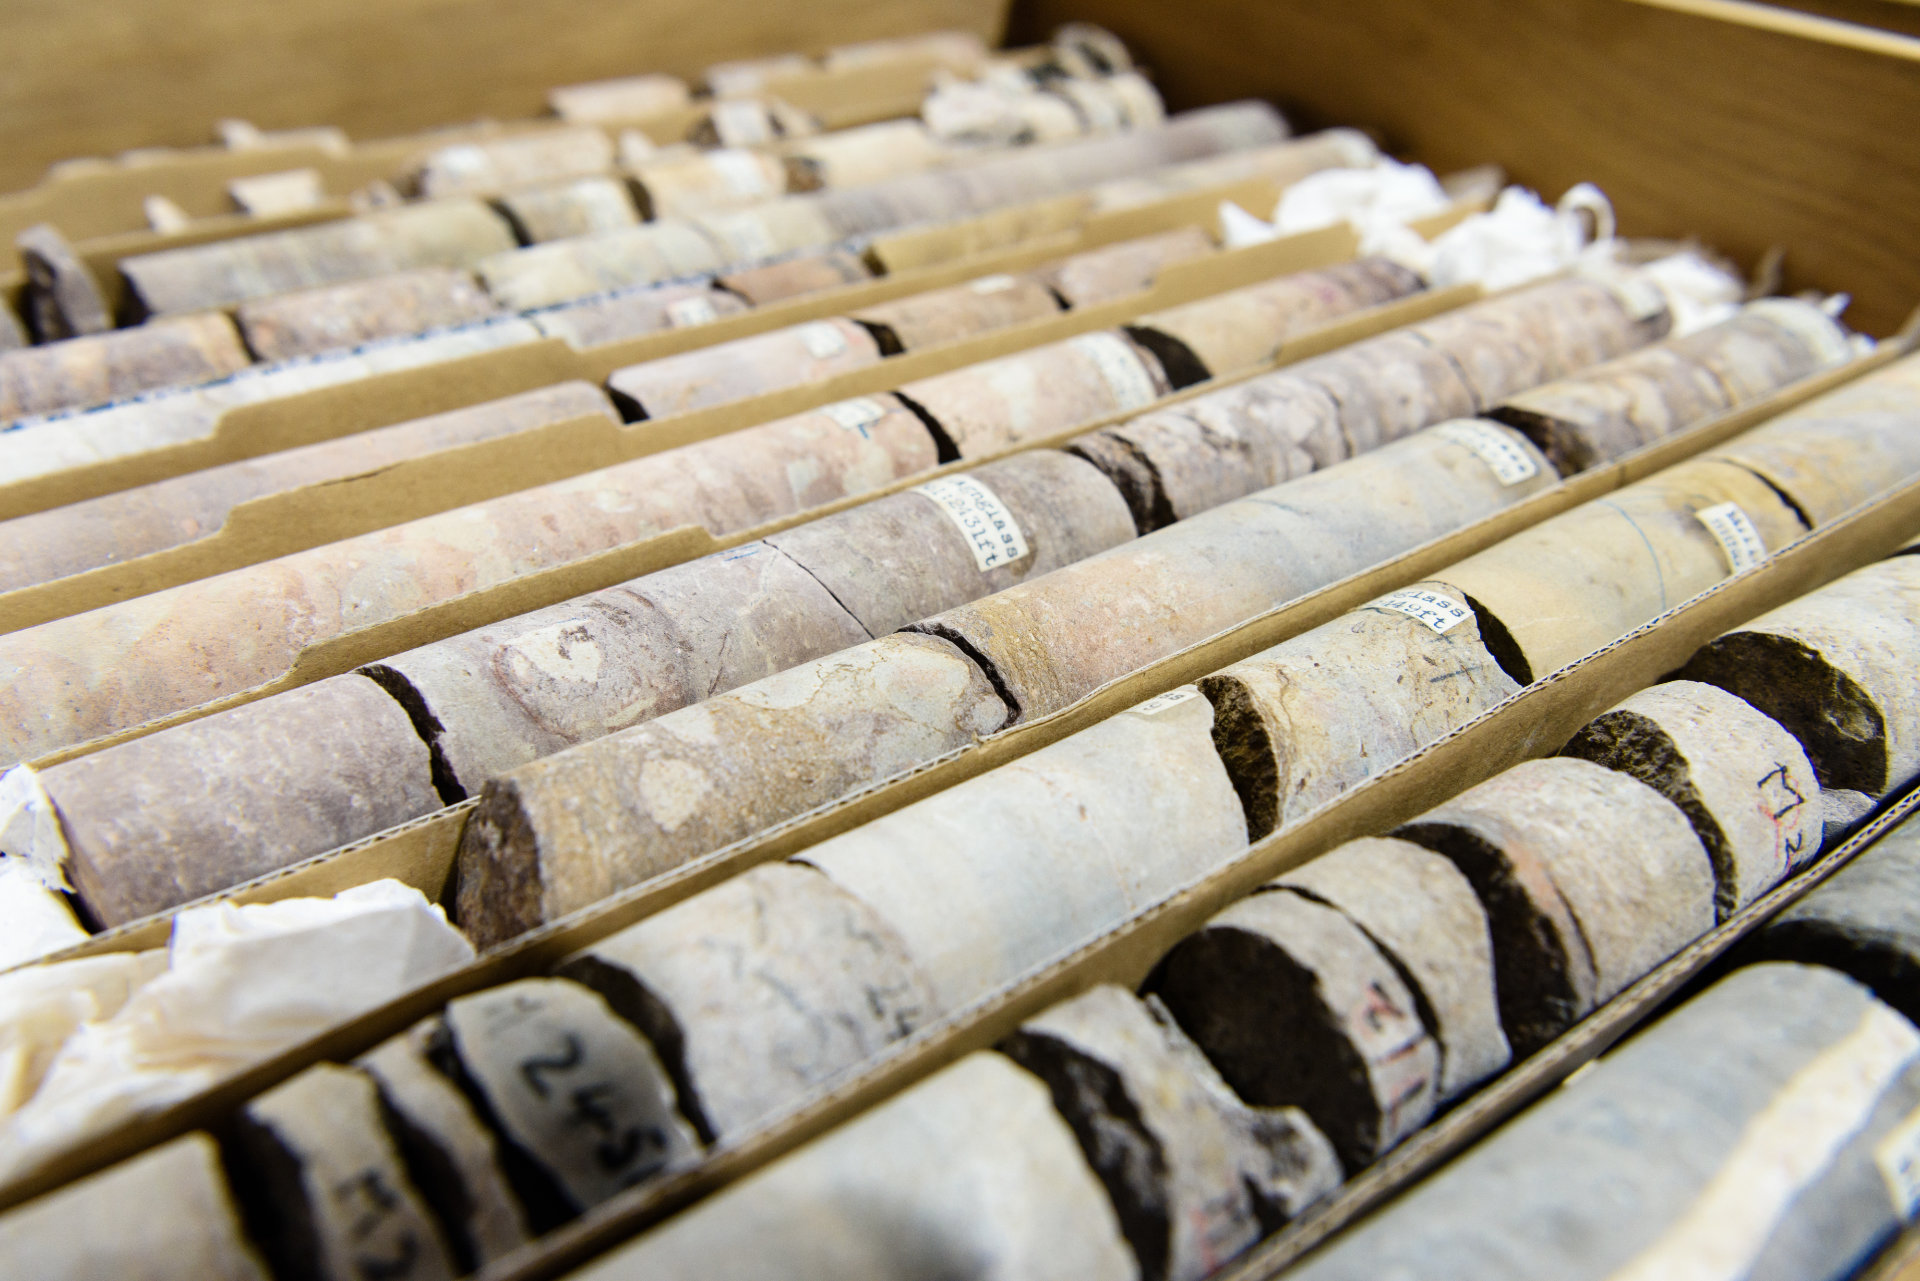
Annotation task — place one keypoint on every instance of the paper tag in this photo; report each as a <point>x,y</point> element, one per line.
<point>741,123</point>
<point>855,415</point>
<point>1172,698</point>
<point>989,528</point>
<point>993,284</point>
<point>1898,1156</point>
<point>1509,463</point>
<point>1735,534</point>
<point>822,341</point>
<point>1440,613</point>
<point>739,171</point>
<point>1120,368</point>
<point>690,311</point>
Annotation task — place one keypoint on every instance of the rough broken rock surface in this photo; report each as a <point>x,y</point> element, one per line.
<point>1301,723</point>
<point>1421,912</point>
<point>1297,1008</point>
<point>569,1083</point>
<point>1590,879</point>
<point>1835,668</point>
<point>455,1159</point>
<point>326,1187</point>
<point>1741,780</point>
<point>1194,1174</point>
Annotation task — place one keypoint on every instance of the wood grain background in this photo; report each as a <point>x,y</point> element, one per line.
<point>1746,138</point>
<point>94,77</point>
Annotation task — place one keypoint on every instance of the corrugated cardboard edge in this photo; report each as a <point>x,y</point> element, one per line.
<point>616,565</point>
<point>1536,721</point>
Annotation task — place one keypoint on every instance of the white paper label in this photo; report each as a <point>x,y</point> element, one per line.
<point>822,341</point>
<point>1898,1156</point>
<point>855,415</point>
<point>690,311</point>
<point>1172,698</point>
<point>739,171</point>
<point>1735,534</point>
<point>1120,367</point>
<point>993,284</point>
<point>1439,613</point>
<point>1509,463</point>
<point>741,123</point>
<point>989,528</point>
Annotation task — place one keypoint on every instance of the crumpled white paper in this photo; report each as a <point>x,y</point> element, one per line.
<point>44,1005</point>
<point>30,827</point>
<point>241,983</point>
<point>1520,239</point>
<point>35,921</point>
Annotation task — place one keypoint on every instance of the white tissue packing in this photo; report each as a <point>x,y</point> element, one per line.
<point>35,918</point>
<point>242,983</point>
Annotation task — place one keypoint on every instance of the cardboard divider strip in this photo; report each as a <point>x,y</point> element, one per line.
<point>278,524</point>
<point>615,565</point>
<point>1534,722</point>
<point>104,196</point>
<point>380,400</point>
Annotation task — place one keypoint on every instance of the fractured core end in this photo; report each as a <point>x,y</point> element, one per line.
<point>1533,976</point>
<point>498,885</point>
<point>1835,720</point>
<point>1635,745</point>
<point>1247,749</point>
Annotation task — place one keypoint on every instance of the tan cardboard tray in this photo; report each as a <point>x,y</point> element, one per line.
<point>1534,722</point>
<point>450,617</point>
<point>93,198</point>
<point>428,842</point>
<point>380,400</point>
<point>277,524</point>
<point>604,569</point>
